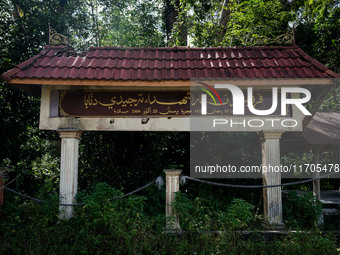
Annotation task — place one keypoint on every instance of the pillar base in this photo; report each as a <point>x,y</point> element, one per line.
<point>175,232</point>
<point>276,226</point>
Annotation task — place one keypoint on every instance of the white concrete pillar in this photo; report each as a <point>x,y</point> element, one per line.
<point>172,186</point>
<point>339,161</point>
<point>2,191</point>
<point>316,184</point>
<point>272,197</point>
<point>68,170</point>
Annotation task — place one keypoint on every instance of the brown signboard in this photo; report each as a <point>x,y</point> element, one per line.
<point>124,104</point>
<point>152,103</point>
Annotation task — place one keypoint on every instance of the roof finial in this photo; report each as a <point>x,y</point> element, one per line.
<point>285,39</point>
<point>56,38</point>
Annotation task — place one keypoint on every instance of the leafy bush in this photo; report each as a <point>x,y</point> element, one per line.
<point>194,214</point>
<point>239,213</point>
<point>301,212</point>
<point>197,214</point>
<point>108,226</point>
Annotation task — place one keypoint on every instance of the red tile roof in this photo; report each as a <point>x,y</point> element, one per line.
<point>177,63</point>
<point>323,129</point>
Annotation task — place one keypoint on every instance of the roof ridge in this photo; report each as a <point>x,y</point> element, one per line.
<point>186,59</point>
<point>58,46</point>
<point>193,48</point>
<point>169,68</point>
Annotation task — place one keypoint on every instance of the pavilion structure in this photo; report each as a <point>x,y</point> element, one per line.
<point>127,89</point>
<point>322,134</point>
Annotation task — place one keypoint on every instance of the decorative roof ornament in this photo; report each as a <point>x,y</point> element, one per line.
<point>285,39</point>
<point>55,38</point>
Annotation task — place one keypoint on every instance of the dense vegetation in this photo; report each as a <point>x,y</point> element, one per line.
<point>128,226</point>
<point>109,159</point>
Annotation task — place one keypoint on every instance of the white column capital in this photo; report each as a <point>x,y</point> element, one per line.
<point>172,172</point>
<point>70,133</point>
<point>272,135</point>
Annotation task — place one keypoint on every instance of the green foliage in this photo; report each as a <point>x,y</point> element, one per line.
<point>253,19</point>
<point>317,32</point>
<point>246,21</point>
<point>332,102</point>
<point>306,158</point>
<point>331,222</point>
<point>301,212</point>
<point>128,226</point>
<point>239,213</point>
<point>194,214</point>
<point>121,157</point>
<point>18,112</point>
<point>106,226</point>
<point>23,32</point>
<point>46,170</point>
<point>130,23</point>
<point>200,214</point>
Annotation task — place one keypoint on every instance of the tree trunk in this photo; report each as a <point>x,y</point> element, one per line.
<point>224,19</point>
<point>171,14</point>
<point>95,27</point>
